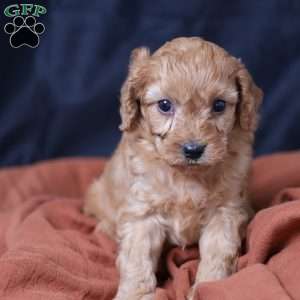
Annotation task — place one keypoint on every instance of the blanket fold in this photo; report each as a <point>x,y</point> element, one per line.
<point>48,249</point>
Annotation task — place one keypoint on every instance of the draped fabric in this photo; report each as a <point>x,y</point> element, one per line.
<point>62,98</point>
<point>48,248</point>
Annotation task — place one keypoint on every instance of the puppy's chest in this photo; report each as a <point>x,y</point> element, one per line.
<point>185,212</point>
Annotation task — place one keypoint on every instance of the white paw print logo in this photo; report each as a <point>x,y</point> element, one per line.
<point>24,32</point>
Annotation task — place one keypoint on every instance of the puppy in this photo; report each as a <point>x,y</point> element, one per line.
<point>179,174</point>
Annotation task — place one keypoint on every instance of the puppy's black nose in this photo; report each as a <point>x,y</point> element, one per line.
<point>193,150</point>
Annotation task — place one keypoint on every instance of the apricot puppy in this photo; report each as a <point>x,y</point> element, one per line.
<point>179,174</point>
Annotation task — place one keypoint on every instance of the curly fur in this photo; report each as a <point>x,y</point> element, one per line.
<point>149,192</point>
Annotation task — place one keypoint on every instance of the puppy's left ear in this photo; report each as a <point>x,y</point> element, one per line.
<point>131,88</point>
<point>250,98</point>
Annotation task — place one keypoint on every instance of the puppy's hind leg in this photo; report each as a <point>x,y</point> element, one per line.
<point>92,198</point>
<point>94,206</point>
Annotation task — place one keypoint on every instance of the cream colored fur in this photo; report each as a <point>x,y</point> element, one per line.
<point>149,193</point>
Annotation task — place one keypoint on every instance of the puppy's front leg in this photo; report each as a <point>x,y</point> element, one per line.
<point>141,243</point>
<point>219,245</point>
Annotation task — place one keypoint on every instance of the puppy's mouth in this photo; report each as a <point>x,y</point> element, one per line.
<point>185,155</point>
<point>183,162</point>
<point>192,162</point>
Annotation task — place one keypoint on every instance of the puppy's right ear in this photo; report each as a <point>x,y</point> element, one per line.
<point>133,84</point>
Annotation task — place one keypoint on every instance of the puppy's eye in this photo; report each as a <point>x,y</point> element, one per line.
<point>165,106</point>
<point>219,106</point>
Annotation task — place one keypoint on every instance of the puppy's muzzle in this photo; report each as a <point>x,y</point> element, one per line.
<point>193,150</point>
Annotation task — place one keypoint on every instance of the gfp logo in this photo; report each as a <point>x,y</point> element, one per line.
<point>24,30</point>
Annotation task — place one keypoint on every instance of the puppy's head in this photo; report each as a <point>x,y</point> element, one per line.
<point>188,99</point>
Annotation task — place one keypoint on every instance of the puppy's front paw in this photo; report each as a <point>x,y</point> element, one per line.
<point>137,291</point>
<point>148,297</point>
<point>217,270</point>
<point>207,275</point>
<point>192,292</point>
<point>130,297</point>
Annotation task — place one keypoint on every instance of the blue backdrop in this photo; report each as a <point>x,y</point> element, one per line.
<point>61,99</point>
